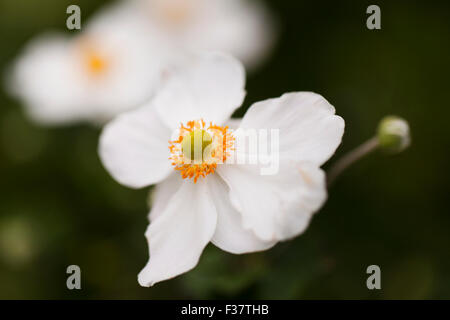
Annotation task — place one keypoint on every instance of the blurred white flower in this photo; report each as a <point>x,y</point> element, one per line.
<point>244,28</point>
<point>108,68</point>
<point>231,205</point>
<point>117,61</point>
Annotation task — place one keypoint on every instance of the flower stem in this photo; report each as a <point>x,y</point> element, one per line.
<point>350,158</point>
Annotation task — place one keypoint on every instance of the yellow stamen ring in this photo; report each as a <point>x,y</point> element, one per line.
<point>200,148</point>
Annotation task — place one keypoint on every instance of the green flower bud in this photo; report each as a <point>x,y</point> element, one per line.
<point>393,134</point>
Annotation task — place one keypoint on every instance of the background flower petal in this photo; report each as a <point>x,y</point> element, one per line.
<point>57,96</point>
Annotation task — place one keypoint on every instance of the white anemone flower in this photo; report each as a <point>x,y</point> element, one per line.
<point>231,205</point>
<point>110,67</point>
<point>246,29</point>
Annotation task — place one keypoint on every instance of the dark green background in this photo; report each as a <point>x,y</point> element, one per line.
<point>58,206</point>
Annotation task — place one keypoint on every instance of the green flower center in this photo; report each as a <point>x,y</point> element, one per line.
<point>195,143</point>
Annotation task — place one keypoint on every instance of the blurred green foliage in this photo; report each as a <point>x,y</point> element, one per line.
<point>58,206</point>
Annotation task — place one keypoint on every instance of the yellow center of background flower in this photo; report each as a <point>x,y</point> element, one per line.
<point>94,61</point>
<point>96,64</point>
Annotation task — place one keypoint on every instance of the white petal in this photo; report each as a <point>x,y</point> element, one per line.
<point>309,128</point>
<point>56,95</point>
<point>162,193</point>
<point>208,86</point>
<point>136,58</point>
<point>276,207</point>
<point>134,148</point>
<point>179,235</point>
<point>230,235</point>
<point>66,91</point>
<point>246,29</point>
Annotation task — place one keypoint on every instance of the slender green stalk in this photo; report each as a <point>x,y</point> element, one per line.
<point>350,158</point>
